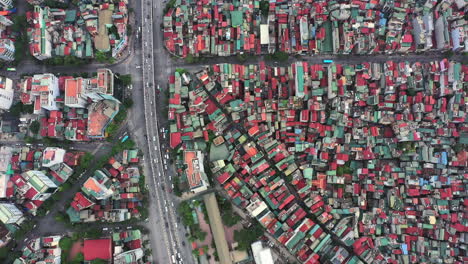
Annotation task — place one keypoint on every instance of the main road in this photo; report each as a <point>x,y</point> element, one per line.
<point>167,233</point>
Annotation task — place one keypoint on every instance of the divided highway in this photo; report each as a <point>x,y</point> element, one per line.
<point>167,234</point>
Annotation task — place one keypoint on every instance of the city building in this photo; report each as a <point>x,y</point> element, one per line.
<point>261,254</point>
<point>112,194</point>
<point>40,90</point>
<point>195,171</point>
<point>7,50</point>
<point>6,4</point>
<point>75,92</point>
<point>39,186</point>
<point>52,156</point>
<point>10,214</point>
<point>100,115</point>
<point>41,250</point>
<point>6,93</point>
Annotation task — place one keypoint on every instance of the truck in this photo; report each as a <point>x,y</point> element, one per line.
<point>328,61</point>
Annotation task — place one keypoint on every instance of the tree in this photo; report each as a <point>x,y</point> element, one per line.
<point>342,170</point>
<point>230,219</point>
<point>190,59</point>
<point>34,127</point>
<point>79,258</point>
<point>459,147</point>
<point>128,102</point>
<point>264,7</point>
<point>65,243</point>
<point>242,57</point>
<point>129,30</point>
<point>60,218</point>
<point>245,237</point>
<point>113,31</point>
<point>98,261</point>
<point>4,251</point>
<point>85,160</point>
<point>93,233</point>
<point>101,57</point>
<point>186,213</point>
<point>126,79</point>
<point>280,56</point>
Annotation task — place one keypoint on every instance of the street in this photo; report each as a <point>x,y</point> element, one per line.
<point>167,235</point>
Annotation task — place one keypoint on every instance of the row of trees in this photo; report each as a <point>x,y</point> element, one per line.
<point>185,211</point>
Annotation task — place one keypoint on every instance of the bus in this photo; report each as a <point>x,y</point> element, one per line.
<point>327,61</point>
<point>11,69</point>
<point>124,139</point>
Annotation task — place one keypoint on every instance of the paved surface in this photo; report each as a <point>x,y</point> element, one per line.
<point>217,228</point>
<point>168,235</point>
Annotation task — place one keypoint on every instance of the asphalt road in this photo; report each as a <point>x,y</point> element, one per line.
<point>168,235</point>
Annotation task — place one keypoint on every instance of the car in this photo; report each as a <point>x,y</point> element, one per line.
<point>178,255</point>
<point>166,224</point>
<point>154,138</point>
<point>105,229</point>
<point>129,227</point>
<point>183,243</point>
<point>165,209</point>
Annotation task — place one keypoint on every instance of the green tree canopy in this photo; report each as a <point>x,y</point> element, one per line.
<point>245,237</point>
<point>186,213</point>
<point>65,243</point>
<point>98,261</point>
<point>34,127</point>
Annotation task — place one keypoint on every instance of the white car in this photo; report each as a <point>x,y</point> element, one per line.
<point>154,138</point>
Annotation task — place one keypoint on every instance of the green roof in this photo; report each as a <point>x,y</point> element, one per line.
<point>236,18</point>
